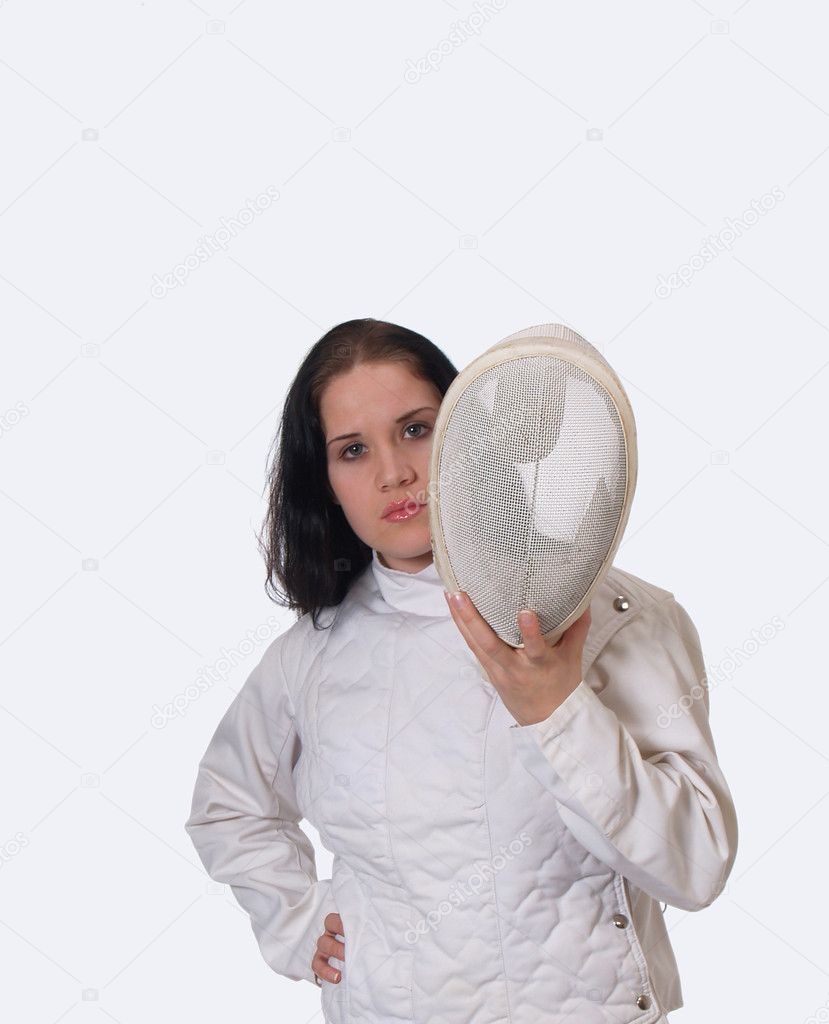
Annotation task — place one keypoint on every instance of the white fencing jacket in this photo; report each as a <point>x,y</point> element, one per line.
<point>485,872</point>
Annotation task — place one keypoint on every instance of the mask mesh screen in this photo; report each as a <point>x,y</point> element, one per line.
<point>532,472</point>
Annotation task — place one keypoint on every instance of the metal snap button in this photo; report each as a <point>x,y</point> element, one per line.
<point>621,603</point>
<point>643,1002</point>
<point>620,920</point>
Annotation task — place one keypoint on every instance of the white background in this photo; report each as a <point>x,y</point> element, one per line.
<point>559,165</point>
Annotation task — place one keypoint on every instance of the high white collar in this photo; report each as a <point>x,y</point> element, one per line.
<point>418,593</point>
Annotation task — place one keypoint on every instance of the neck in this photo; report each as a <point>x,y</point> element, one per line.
<point>413,564</point>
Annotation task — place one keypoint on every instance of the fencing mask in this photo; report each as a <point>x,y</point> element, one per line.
<point>531,478</point>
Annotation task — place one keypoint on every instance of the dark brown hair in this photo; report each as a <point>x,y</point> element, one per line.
<point>311,553</point>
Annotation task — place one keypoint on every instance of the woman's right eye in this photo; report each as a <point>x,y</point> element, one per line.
<point>346,458</point>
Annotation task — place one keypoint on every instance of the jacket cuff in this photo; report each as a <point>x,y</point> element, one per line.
<point>571,741</point>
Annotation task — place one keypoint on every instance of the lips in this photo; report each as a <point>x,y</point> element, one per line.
<point>396,506</point>
<point>404,514</point>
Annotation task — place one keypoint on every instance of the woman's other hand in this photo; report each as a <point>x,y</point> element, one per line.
<point>328,945</point>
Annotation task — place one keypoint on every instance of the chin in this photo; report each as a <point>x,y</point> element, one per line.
<point>410,548</point>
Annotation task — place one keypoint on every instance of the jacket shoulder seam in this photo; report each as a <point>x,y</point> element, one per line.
<point>642,600</point>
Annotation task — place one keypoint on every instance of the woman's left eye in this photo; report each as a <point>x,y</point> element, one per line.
<point>424,425</point>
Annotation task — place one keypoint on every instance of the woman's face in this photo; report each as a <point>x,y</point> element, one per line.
<point>388,415</point>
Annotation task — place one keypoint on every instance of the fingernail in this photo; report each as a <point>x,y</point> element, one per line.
<point>336,976</point>
<point>525,617</point>
<point>457,598</point>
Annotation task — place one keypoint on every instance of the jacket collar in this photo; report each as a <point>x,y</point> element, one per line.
<point>616,600</point>
<point>418,593</point>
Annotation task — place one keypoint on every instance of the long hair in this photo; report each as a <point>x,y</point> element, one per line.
<point>312,555</point>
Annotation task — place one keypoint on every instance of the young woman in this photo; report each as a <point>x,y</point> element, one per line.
<point>504,822</point>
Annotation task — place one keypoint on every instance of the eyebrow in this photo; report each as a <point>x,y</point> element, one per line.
<point>400,419</point>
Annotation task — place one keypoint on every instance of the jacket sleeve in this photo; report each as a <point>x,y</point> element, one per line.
<point>633,766</point>
<point>244,822</point>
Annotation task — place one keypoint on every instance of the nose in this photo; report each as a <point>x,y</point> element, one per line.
<point>394,471</point>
